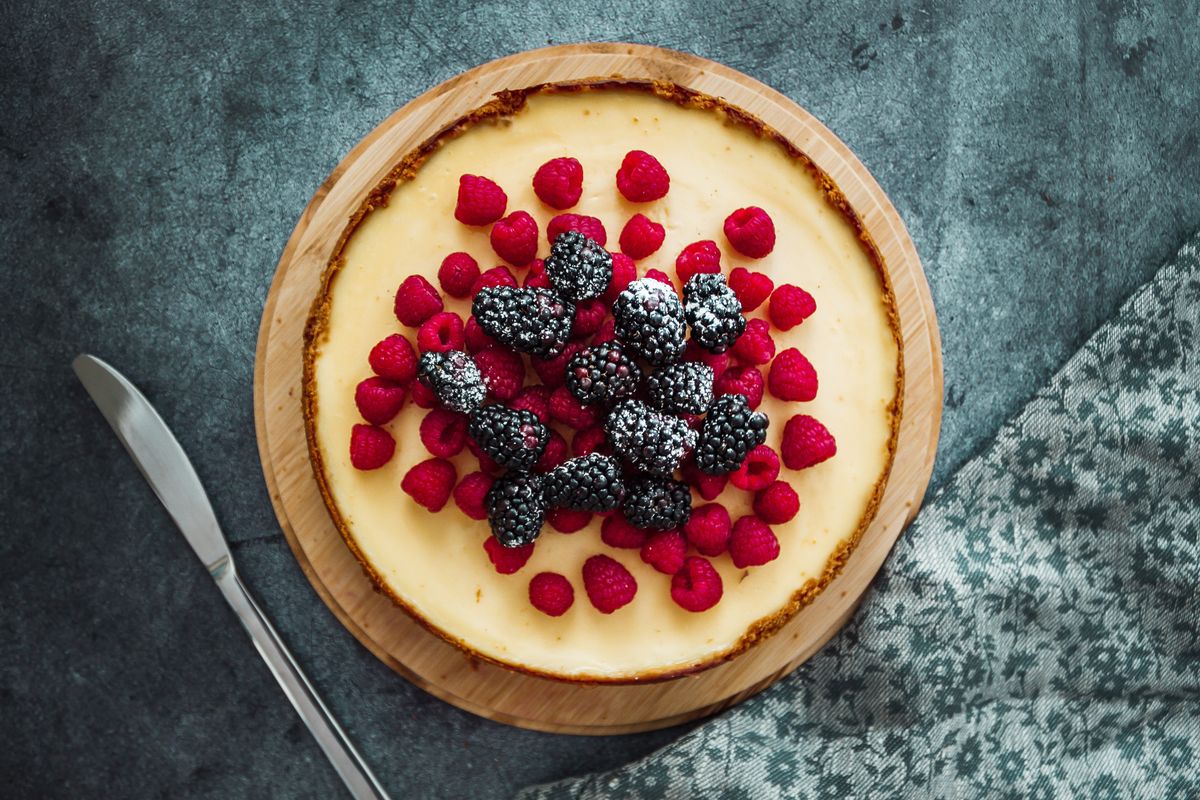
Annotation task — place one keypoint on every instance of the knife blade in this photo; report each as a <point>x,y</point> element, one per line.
<point>166,467</point>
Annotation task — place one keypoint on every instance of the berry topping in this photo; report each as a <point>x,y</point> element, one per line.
<point>641,178</point>
<point>591,227</point>
<point>713,311</point>
<point>394,359</point>
<point>516,509</point>
<point>607,332</point>
<point>566,408</point>
<point>553,371</point>
<point>708,529</point>
<point>422,395</point>
<point>618,532</point>
<point>430,483</point>
<point>608,584</point>
<point>589,483</point>
<point>750,231</point>
<point>683,388</point>
<point>480,201</point>
<point>707,486</point>
<point>554,454</point>
<point>752,288</point>
<point>536,277</point>
<point>746,381</point>
<point>486,463</point>
<point>603,374</point>
<point>441,332</point>
<point>416,301</point>
<point>535,398</point>
<point>697,585</point>
<point>590,440</point>
<point>568,520</point>
<point>506,560</point>
<point>498,275</point>
<point>378,400</point>
<point>806,442</point>
<point>792,376</point>
<point>649,440</point>
<point>559,182</point>
<point>532,321</point>
<point>514,439</point>
<point>641,237</point>
<point>454,379</point>
<point>660,276</point>
<point>578,266</point>
<point>475,337</point>
<point>698,258</point>
<point>502,369</point>
<point>624,273</point>
<point>589,316</point>
<point>790,305</point>
<point>471,494</point>
<point>755,346</point>
<point>758,471</point>
<point>370,447</point>
<point>777,503</point>
<point>752,544</point>
<point>650,321</point>
<point>458,274</point>
<point>716,361</point>
<point>657,503</point>
<point>730,431</point>
<point>551,593</point>
<point>664,550</point>
<point>515,238</point>
<point>443,432</point>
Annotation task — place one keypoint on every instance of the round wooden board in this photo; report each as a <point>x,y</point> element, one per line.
<point>426,660</point>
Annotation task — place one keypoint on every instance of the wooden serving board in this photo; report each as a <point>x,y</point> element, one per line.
<point>426,660</point>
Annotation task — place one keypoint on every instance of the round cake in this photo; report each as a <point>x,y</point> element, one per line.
<point>483,463</point>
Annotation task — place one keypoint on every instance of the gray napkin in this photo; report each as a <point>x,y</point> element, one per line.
<point>1035,632</point>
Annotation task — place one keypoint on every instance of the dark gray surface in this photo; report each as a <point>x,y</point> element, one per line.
<point>153,162</point>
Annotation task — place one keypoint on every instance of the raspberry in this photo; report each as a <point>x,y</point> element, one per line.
<point>536,277</point>
<point>641,237</point>
<point>590,440</point>
<point>708,529</point>
<point>751,288</point>
<point>422,395</point>
<point>758,471</point>
<point>534,398</point>
<point>555,453</point>
<point>475,337</point>
<point>416,301</point>
<point>553,371</point>
<point>568,520</point>
<point>642,178</point>
<point>458,274</point>
<point>660,276</point>
<point>480,201</point>
<point>792,376</point>
<point>370,447</point>
<point>440,333</point>
<point>515,439</point>
<point>716,361</point>
<point>806,442</point>
<point>618,532</point>
<point>394,359</point>
<point>551,593</point>
<point>746,381</point>
<point>755,346</point>
<point>559,182</point>
<point>750,231</point>
<point>790,305</point>
<point>664,550</point>
<point>443,432</point>
<point>707,486</point>
<point>378,400</point>
<point>608,584</point>
<point>777,503</point>
<point>430,482</point>
<point>589,316</point>
<point>607,332</point>
<point>502,369</point>
<point>696,586</point>
<point>591,227</point>
<point>752,544</point>
<point>499,275</point>
<point>696,258</point>
<point>516,509</point>
<point>515,238</point>
<point>471,494</point>
<point>624,273</point>
<point>507,560</point>
<point>565,408</point>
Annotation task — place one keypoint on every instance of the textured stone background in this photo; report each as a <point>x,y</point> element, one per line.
<point>153,160</point>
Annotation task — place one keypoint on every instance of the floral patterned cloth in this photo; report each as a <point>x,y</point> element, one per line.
<point>1035,632</point>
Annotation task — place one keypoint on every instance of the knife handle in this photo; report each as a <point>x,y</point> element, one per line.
<point>354,772</point>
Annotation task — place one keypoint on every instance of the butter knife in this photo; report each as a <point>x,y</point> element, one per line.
<point>166,467</point>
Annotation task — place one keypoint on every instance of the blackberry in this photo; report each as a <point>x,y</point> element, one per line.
<point>589,483</point>
<point>647,439</point>
<point>516,508</point>
<point>730,431</point>
<point>650,321</point>
<point>455,379</point>
<point>684,388</point>
<point>578,267</point>
<point>535,321</point>
<point>513,438</point>
<point>713,311</point>
<point>660,503</point>
<point>603,373</point>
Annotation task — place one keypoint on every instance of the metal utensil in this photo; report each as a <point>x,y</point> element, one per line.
<point>166,467</point>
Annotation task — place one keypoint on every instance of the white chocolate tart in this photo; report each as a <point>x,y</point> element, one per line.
<point>719,159</point>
